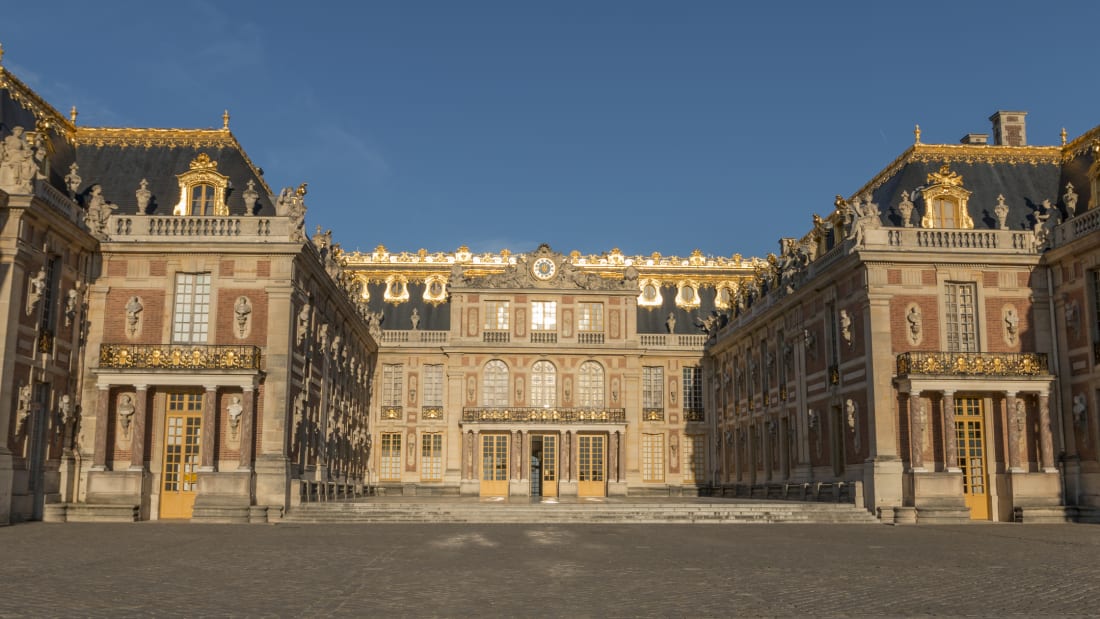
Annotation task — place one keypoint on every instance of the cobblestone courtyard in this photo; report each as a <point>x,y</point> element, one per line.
<point>525,570</point>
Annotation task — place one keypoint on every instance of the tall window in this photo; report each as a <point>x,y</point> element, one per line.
<point>202,199</point>
<point>496,315</point>
<point>590,317</point>
<point>431,456</point>
<point>389,465</point>
<point>765,371</point>
<point>944,210</point>
<point>432,388</point>
<point>693,389</point>
<point>494,384</point>
<point>653,457</point>
<point>191,318</point>
<point>392,377</point>
<point>694,454</point>
<point>834,342</point>
<point>49,294</point>
<point>544,316</point>
<point>1096,305</point>
<point>590,386</point>
<point>544,384</point>
<point>653,386</point>
<point>961,324</point>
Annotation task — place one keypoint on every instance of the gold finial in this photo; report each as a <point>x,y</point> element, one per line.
<point>916,134</point>
<point>301,191</point>
<point>72,115</point>
<point>1063,136</point>
<point>225,120</point>
<point>1,52</point>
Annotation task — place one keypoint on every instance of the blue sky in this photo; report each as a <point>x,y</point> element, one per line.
<point>648,126</point>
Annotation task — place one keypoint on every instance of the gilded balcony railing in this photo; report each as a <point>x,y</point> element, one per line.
<point>972,364</point>
<point>179,357</point>
<point>694,414</point>
<point>488,414</point>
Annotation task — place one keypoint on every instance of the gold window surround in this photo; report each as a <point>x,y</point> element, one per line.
<point>650,295</point>
<point>687,294</point>
<point>945,190</point>
<point>204,171</point>
<point>397,289</point>
<point>724,294</point>
<point>1094,176</point>
<point>435,289</point>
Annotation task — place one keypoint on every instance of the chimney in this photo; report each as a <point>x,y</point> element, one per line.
<point>1009,128</point>
<point>979,139</point>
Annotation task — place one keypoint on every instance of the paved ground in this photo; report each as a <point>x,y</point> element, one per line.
<point>161,569</point>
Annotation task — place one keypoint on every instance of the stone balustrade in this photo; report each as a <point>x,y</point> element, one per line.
<point>487,414</point>
<point>153,228</point>
<point>673,340</point>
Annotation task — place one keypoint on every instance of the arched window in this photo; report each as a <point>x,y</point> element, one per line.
<point>202,199</point>
<point>494,385</point>
<point>945,201</point>
<point>590,385</point>
<point>544,384</point>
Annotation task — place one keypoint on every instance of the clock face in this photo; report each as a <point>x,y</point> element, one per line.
<point>544,268</point>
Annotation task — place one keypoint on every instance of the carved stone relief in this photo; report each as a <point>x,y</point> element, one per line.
<point>851,410</point>
<point>1080,410</point>
<point>234,410</point>
<point>1001,211</point>
<point>143,196</point>
<point>915,321</point>
<point>1011,324</point>
<point>846,327</point>
<point>18,165</point>
<point>36,287</point>
<point>242,310</point>
<point>125,410</point>
<point>134,310</point>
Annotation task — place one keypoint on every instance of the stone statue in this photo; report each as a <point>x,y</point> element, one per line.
<point>1001,211</point>
<point>1012,324</point>
<point>1021,415</point>
<point>852,409</point>
<point>126,411</point>
<point>17,163</point>
<point>99,211</point>
<point>670,322</point>
<point>234,408</point>
<point>906,210</point>
<point>72,303</point>
<point>250,196</point>
<point>1070,200</point>
<point>415,319</point>
<point>1046,218</point>
<point>913,317</point>
<point>143,196</point>
<point>73,180</point>
<point>36,287</point>
<point>846,327</point>
<point>291,203</point>
<point>66,413</point>
<point>374,325</point>
<point>303,323</point>
<point>243,310</point>
<point>133,314</point>
<point>24,407</point>
<point>1071,313</point>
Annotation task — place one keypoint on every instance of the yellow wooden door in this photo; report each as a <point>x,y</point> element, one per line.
<point>182,434</point>
<point>590,465</point>
<point>494,465</point>
<point>969,432</point>
<point>549,465</point>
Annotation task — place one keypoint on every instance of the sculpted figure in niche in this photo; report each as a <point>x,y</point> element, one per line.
<point>1070,200</point>
<point>99,211</point>
<point>913,317</point>
<point>126,413</point>
<point>36,287</point>
<point>1021,415</point>
<point>415,319</point>
<point>73,180</point>
<point>670,322</point>
<point>24,405</point>
<point>846,327</point>
<point>72,302</point>
<point>17,167</point>
<point>1080,407</point>
<point>242,309</point>
<point>133,314</point>
<point>303,322</point>
<point>1071,318</point>
<point>234,408</point>
<point>1012,324</point>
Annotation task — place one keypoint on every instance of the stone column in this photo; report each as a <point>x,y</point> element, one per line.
<point>566,459</point>
<point>916,437</point>
<point>951,441</point>
<point>1014,427</point>
<point>137,429</point>
<point>751,440</point>
<point>768,448</point>
<point>209,419</point>
<point>1046,436</point>
<point>613,464</point>
<point>102,418</point>
<point>246,429</point>
<point>784,438</point>
<point>737,430</point>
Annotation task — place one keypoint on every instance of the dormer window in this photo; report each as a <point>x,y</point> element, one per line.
<point>202,190</point>
<point>945,201</point>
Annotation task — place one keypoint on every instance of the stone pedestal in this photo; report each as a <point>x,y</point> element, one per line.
<point>118,491</point>
<point>272,480</point>
<point>938,498</point>
<point>223,497</point>
<point>567,488</point>
<point>5,486</point>
<point>616,488</point>
<point>519,487</point>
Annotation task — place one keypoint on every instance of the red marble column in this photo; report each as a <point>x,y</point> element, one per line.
<point>1046,435</point>
<point>102,418</point>
<point>951,440</point>
<point>247,398</point>
<point>916,437</point>
<point>209,418</point>
<point>1014,426</point>
<point>137,428</point>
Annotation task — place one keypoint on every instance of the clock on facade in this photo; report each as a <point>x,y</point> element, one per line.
<point>544,268</point>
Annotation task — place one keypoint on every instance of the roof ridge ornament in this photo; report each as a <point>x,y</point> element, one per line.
<point>945,177</point>
<point>916,134</point>
<point>225,120</point>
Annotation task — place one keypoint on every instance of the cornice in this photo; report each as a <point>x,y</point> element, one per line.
<point>44,113</point>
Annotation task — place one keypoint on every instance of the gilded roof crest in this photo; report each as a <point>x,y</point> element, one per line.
<point>945,177</point>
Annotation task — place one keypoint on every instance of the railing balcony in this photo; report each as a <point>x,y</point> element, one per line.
<point>431,412</point>
<point>496,337</point>
<point>414,337</point>
<point>590,338</point>
<point>972,364</point>
<point>693,414</point>
<point>490,414</point>
<point>392,412</point>
<point>179,357</point>
<point>544,337</point>
<point>653,414</point>
<point>682,340</point>
<point>231,228</point>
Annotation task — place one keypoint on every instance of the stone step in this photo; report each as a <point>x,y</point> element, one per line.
<point>490,512</point>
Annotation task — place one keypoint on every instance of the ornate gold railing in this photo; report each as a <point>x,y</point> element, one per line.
<point>392,412</point>
<point>653,414</point>
<point>479,414</point>
<point>972,364</point>
<point>693,414</point>
<point>179,357</point>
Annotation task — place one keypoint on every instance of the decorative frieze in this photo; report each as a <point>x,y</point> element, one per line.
<point>179,357</point>
<point>972,364</point>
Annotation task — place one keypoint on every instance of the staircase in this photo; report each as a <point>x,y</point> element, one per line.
<point>578,512</point>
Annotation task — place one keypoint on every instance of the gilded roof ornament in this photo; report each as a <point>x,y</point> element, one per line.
<point>945,177</point>
<point>225,120</point>
<point>72,115</point>
<point>1,52</point>
<point>1063,136</point>
<point>301,191</point>
<point>204,162</point>
<point>916,134</point>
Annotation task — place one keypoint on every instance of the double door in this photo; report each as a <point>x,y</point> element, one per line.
<point>182,434</point>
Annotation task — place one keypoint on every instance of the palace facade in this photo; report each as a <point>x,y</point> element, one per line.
<point>177,345</point>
